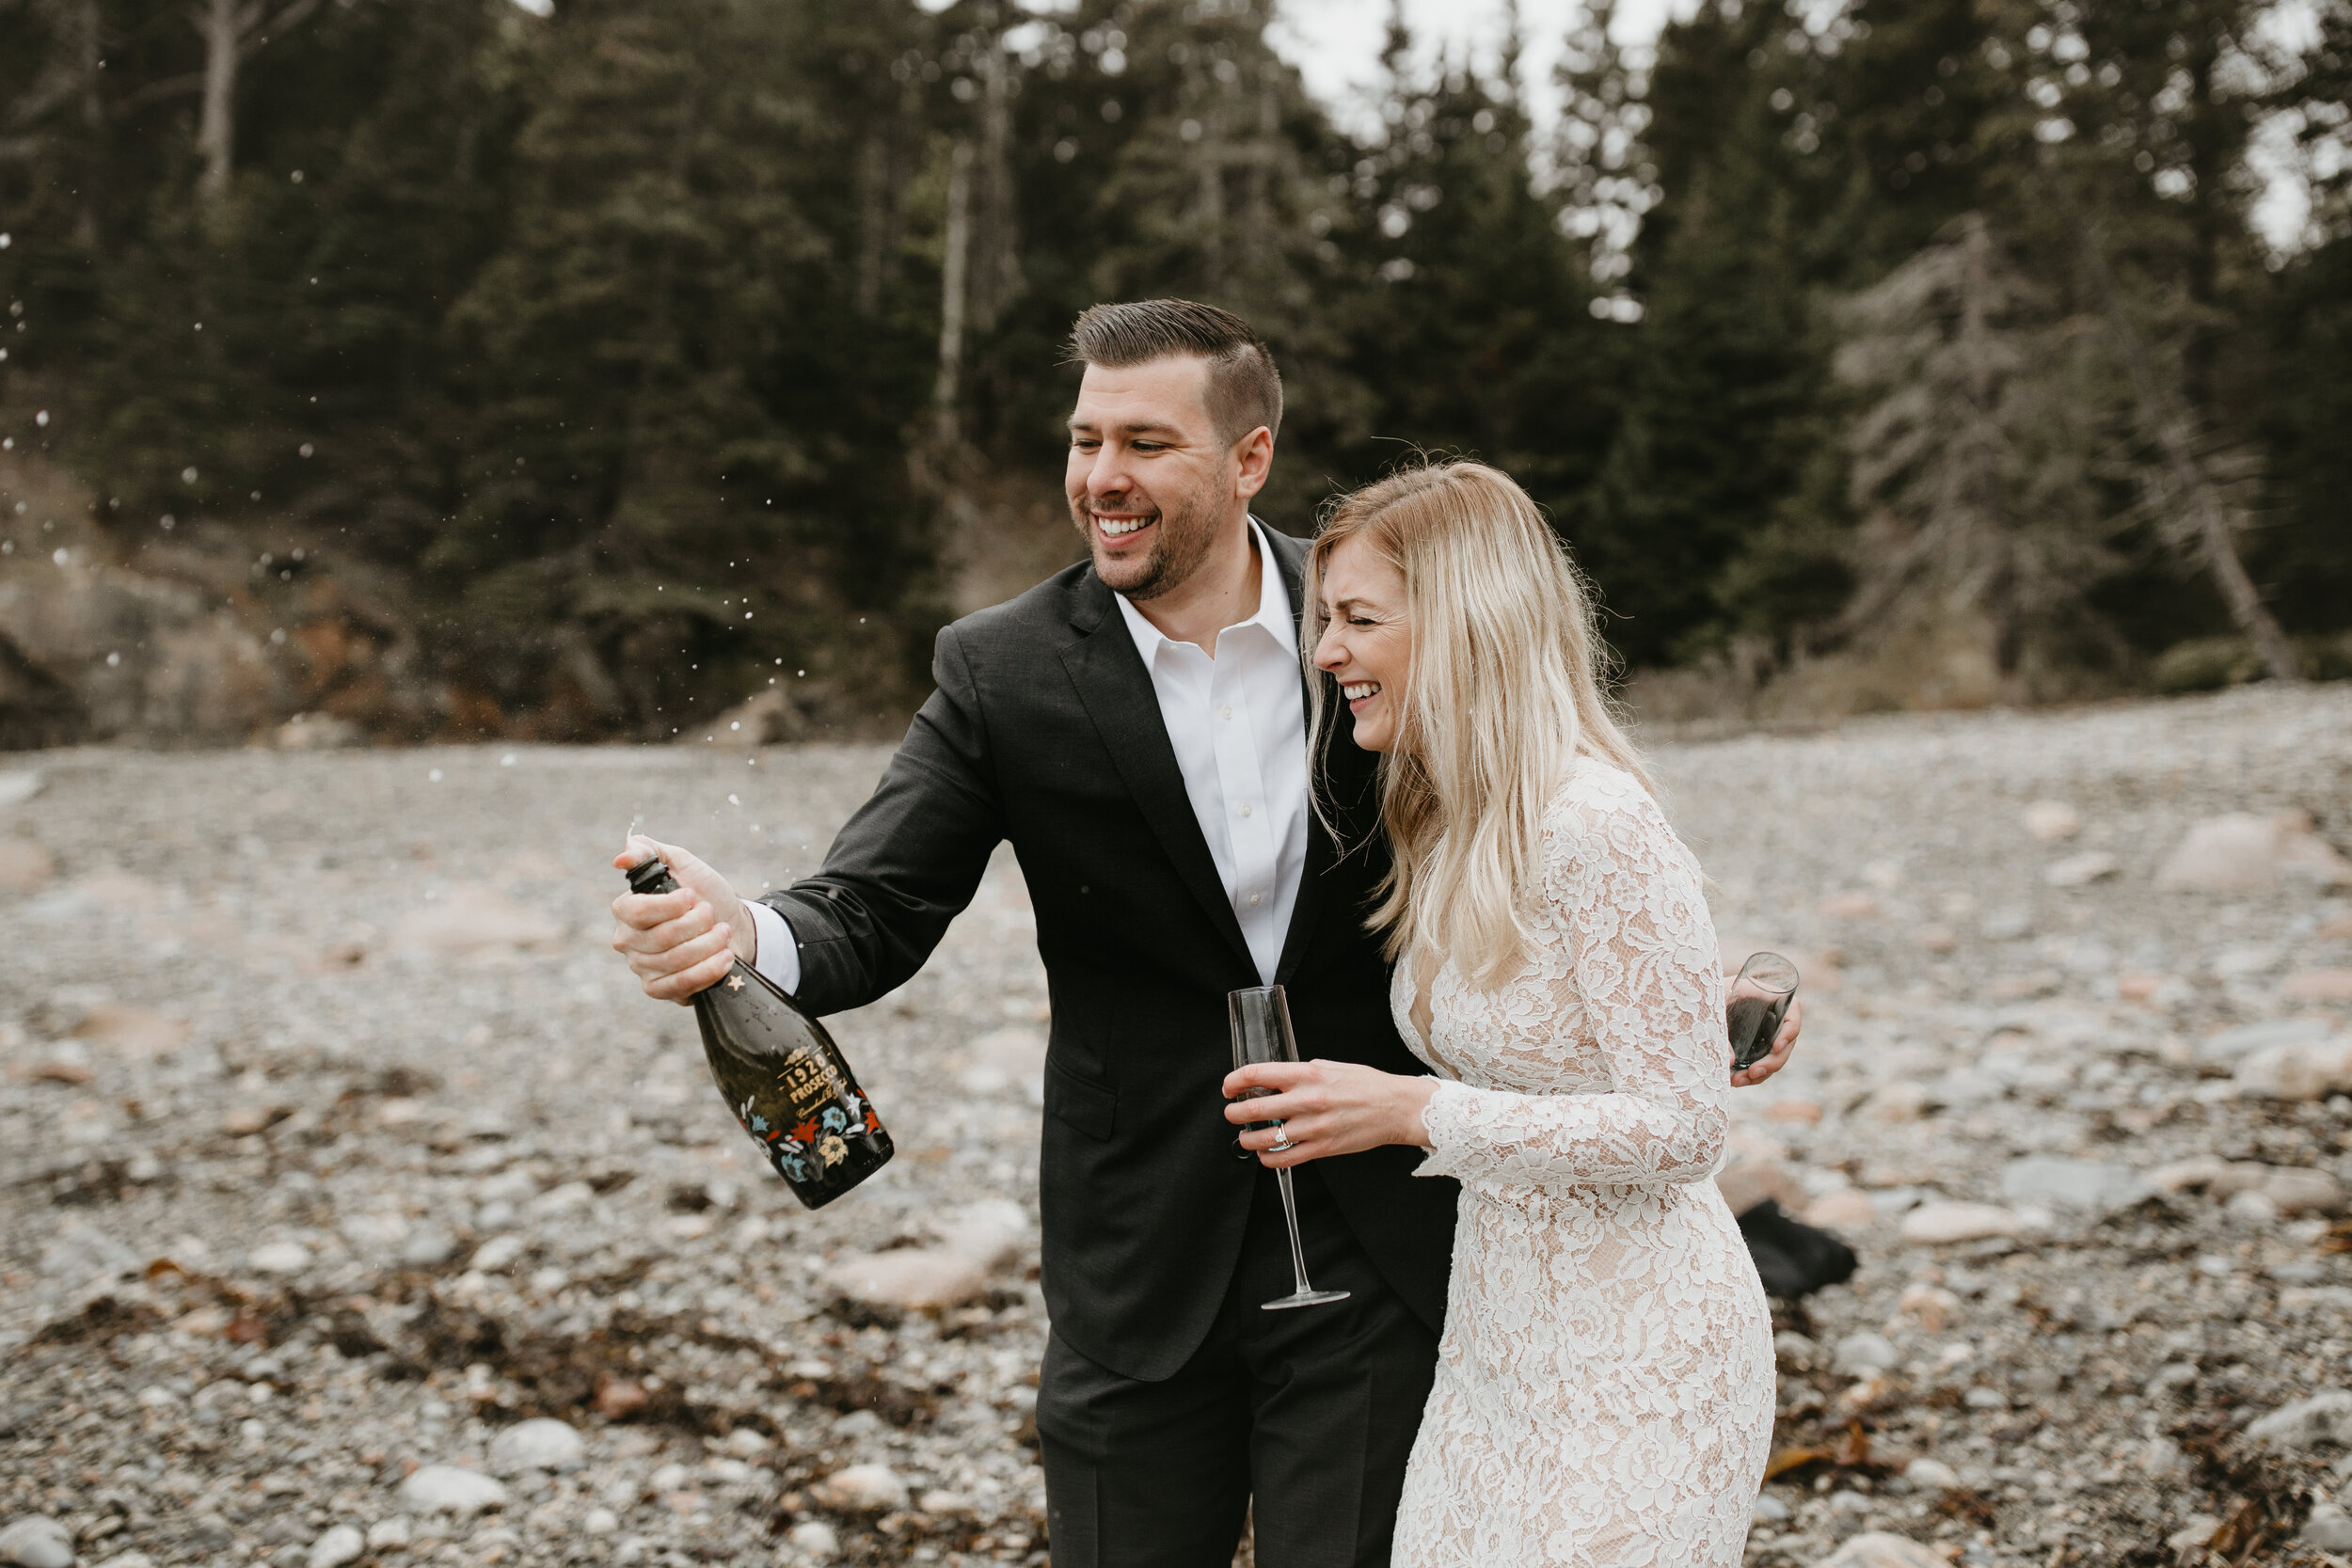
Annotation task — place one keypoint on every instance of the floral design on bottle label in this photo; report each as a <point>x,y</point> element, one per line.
<point>805,1132</point>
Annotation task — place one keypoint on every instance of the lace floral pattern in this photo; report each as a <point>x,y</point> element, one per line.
<point>1604,1392</point>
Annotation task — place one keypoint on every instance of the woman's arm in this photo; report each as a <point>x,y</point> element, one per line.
<point>1649,977</point>
<point>1646,964</point>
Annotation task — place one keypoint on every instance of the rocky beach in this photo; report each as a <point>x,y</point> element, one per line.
<point>360,1210</point>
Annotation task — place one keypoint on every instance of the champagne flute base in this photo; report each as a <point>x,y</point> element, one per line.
<point>1301,1298</point>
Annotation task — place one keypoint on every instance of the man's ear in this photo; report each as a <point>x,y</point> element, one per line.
<point>1253,459</point>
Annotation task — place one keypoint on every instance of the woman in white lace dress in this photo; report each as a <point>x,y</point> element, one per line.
<point>1604,1391</point>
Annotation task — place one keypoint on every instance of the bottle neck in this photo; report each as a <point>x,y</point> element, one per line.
<point>651,876</point>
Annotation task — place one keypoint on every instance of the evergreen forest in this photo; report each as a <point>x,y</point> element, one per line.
<point>579,367</point>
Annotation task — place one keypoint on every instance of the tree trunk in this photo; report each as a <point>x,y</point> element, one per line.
<point>873,229</point>
<point>2207,525</point>
<point>992,264</point>
<point>954,281</point>
<point>216,128</point>
<point>1211,213</point>
<point>1258,204</point>
<point>88,42</point>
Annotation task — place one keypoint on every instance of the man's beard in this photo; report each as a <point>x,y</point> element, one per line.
<point>1185,537</point>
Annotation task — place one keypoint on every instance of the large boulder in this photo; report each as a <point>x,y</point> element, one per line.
<point>775,717</point>
<point>862,1489</point>
<point>36,707</point>
<point>449,1489</point>
<point>542,1443</point>
<point>1938,1224</point>
<point>974,1242</point>
<point>2231,1045</point>
<point>25,865</point>
<point>99,651</point>
<point>141,1031</point>
<point>2303,1071</point>
<point>473,922</point>
<point>1879,1549</point>
<point>2242,852</point>
<point>2071,1183</point>
<point>1755,1172</point>
<point>2051,820</point>
<point>2323,1417</point>
<point>37,1542</point>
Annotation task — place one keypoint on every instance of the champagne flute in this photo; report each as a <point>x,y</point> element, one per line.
<point>1261,1033</point>
<point>1758,1000</point>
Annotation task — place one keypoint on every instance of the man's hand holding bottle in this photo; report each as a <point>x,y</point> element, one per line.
<point>677,944</point>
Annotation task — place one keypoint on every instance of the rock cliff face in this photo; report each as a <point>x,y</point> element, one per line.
<point>201,633</point>
<point>113,654</point>
<point>94,648</point>
<point>198,634</point>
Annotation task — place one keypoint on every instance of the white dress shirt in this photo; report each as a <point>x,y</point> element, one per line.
<point>1238,724</point>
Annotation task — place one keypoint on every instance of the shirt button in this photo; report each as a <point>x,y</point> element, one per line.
<point>1227,713</point>
<point>1245,808</point>
<point>1253,899</point>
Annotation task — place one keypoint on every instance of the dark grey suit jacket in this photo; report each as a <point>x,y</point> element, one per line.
<point>1046,731</point>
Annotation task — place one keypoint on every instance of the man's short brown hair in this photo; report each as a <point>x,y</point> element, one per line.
<point>1245,389</point>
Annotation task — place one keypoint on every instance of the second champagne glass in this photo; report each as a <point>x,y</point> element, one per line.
<point>1757,1000</point>
<point>1261,1033</point>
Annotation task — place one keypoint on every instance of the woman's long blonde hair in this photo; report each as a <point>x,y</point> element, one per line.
<point>1504,693</point>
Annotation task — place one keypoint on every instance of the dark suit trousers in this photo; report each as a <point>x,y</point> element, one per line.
<point>1310,1412</point>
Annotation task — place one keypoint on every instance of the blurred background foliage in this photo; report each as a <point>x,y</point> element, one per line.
<point>584,374</point>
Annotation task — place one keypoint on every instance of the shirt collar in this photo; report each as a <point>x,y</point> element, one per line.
<point>1274,605</point>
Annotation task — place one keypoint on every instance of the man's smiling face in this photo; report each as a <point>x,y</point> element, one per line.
<point>1151,480</point>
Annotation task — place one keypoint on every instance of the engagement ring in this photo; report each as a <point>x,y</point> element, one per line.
<point>1281,1144</point>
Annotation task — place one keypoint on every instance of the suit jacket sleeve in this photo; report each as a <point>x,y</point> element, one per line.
<point>911,859</point>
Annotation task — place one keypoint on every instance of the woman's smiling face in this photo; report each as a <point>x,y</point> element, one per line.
<point>1367,642</point>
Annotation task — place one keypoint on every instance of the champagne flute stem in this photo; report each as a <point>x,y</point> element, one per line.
<point>1290,1212</point>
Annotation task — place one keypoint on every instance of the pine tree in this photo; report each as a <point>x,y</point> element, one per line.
<point>1976,457</point>
<point>668,463</point>
<point>1477,335</point>
<point>1724,367</point>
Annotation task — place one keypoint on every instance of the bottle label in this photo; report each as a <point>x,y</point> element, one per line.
<point>805,1129</point>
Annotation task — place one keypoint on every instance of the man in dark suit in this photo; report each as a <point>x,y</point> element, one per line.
<point>1135,727</point>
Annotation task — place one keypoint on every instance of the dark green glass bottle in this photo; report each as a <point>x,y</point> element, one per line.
<point>783,1077</point>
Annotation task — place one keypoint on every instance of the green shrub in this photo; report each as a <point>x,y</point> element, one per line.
<point>2326,658</point>
<point>2206,664</point>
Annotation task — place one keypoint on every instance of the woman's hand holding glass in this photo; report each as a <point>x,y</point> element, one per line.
<point>1783,1043</point>
<point>1325,1108</point>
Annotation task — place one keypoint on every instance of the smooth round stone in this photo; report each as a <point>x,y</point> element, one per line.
<point>540,1444</point>
<point>863,1488</point>
<point>37,1542</point>
<point>1930,1473</point>
<point>815,1539</point>
<point>450,1489</point>
<point>1880,1549</point>
<point>279,1258</point>
<point>342,1544</point>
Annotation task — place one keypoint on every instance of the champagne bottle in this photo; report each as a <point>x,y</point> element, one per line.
<point>782,1076</point>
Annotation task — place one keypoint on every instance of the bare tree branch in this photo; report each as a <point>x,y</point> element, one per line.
<point>2208,515</point>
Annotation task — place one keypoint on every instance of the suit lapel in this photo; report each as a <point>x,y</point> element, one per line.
<point>1119,699</point>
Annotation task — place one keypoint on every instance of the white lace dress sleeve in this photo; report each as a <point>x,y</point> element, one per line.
<point>1645,972</point>
<point>1604,1388</point>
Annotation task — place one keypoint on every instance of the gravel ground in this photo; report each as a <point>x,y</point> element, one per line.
<point>340,1160</point>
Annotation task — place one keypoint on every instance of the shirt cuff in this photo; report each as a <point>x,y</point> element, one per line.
<point>779,954</point>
